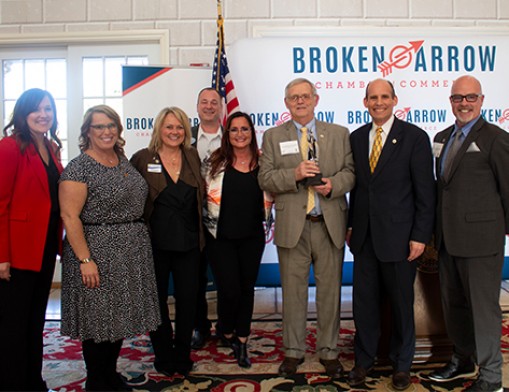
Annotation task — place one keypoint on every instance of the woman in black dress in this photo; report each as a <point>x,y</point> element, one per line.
<point>236,237</point>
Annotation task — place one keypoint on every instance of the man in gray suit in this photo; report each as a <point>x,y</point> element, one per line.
<point>472,158</point>
<point>310,221</point>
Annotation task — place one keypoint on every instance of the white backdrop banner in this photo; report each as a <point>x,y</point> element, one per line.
<point>422,65</point>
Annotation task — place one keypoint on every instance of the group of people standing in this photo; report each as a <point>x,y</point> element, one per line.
<point>396,205</point>
<point>200,196</point>
<point>129,226</point>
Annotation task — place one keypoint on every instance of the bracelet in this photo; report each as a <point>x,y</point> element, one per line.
<point>86,260</point>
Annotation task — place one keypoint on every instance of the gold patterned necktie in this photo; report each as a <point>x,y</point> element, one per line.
<point>304,150</point>
<point>376,150</point>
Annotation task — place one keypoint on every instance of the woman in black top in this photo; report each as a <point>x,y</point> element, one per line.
<point>236,238</point>
<point>173,210</point>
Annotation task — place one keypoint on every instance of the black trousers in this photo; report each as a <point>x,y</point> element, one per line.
<point>235,265</point>
<point>202,322</point>
<point>23,302</point>
<point>372,280</point>
<point>175,349</point>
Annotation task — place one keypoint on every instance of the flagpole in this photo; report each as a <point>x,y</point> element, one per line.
<point>221,78</point>
<point>220,37</point>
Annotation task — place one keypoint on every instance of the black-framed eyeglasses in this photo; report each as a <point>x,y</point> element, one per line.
<point>457,98</point>
<point>102,127</point>
<point>241,129</point>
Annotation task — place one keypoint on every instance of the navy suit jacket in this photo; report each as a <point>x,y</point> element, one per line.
<point>396,203</point>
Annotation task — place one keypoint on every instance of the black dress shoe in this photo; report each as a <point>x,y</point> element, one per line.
<point>452,371</point>
<point>333,367</point>
<point>481,385</point>
<point>357,376</point>
<point>199,339</point>
<point>289,365</point>
<point>184,368</point>
<point>401,380</point>
<point>166,369</point>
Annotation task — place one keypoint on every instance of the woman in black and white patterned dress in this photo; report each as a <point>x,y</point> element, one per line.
<point>108,283</point>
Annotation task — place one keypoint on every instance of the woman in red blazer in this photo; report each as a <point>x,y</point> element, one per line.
<point>30,236</point>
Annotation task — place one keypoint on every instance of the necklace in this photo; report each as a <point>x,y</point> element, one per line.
<point>243,161</point>
<point>172,163</point>
<point>104,158</point>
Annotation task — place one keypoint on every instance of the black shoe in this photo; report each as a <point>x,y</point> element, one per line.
<point>357,376</point>
<point>199,339</point>
<point>452,371</point>
<point>166,369</point>
<point>333,367</point>
<point>243,359</point>
<point>401,380</point>
<point>480,385</point>
<point>184,368</point>
<point>234,343</point>
<point>289,366</point>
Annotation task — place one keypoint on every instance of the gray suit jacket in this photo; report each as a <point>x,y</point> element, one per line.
<point>473,206</point>
<point>277,177</point>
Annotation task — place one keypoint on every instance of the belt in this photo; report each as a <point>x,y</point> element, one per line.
<point>314,218</point>
<point>112,223</point>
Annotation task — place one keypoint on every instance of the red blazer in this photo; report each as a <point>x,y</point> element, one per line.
<point>24,205</point>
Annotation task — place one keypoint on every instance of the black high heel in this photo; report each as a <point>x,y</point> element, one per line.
<point>234,343</point>
<point>243,359</point>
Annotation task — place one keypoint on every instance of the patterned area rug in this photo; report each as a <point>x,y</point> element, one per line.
<point>216,370</point>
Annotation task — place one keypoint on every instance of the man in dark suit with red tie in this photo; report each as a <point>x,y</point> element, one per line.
<point>472,157</point>
<point>391,218</point>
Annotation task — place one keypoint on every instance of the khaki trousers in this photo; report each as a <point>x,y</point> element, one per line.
<point>315,248</point>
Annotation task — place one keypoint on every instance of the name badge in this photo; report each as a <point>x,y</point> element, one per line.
<point>291,147</point>
<point>154,168</point>
<point>437,149</point>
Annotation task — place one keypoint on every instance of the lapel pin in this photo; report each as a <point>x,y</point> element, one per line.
<point>394,141</point>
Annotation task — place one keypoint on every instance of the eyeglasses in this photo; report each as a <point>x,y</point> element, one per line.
<point>296,98</point>
<point>102,127</point>
<point>241,129</point>
<point>457,98</point>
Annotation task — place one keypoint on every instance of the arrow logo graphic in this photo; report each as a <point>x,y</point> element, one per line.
<point>400,57</point>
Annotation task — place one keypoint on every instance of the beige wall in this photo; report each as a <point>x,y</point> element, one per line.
<point>192,23</point>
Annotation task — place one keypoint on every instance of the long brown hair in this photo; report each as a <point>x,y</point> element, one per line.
<point>222,158</point>
<point>28,103</point>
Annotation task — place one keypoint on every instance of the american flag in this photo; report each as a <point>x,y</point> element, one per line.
<point>221,77</point>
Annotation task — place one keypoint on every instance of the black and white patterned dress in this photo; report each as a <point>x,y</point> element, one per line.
<point>125,303</point>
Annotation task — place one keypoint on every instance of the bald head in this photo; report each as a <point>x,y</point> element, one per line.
<point>466,81</point>
<point>466,99</point>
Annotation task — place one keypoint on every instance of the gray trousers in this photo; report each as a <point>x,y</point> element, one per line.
<point>471,302</point>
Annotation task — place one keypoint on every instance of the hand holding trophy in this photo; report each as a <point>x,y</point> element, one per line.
<point>313,156</point>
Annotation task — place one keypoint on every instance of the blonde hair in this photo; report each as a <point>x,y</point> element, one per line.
<point>155,140</point>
